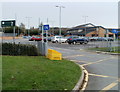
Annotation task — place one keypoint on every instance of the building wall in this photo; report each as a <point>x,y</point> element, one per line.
<point>100,33</point>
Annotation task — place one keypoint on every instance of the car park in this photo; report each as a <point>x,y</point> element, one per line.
<point>77,39</point>
<point>57,39</point>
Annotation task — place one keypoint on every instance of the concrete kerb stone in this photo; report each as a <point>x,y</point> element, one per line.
<point>82,82</point>
<point>85,78</point>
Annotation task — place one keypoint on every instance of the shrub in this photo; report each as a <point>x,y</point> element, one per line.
<point>19,49</point>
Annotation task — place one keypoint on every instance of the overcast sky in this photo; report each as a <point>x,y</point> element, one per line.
<point>99,13</point>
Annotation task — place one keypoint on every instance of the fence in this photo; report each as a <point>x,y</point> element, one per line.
<point>111,45</point>
<point>42,47</point>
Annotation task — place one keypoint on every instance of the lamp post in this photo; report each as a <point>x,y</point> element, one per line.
<point>85,22</point>
<point>28,24</point>
<point>60,18</point>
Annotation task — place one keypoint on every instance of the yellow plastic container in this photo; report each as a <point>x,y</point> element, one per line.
<point>54,55</point>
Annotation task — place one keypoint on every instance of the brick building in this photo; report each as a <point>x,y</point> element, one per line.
<point>89,30</point>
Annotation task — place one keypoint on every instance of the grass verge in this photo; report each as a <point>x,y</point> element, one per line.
<point>107,49</point>
<point>38,73</point>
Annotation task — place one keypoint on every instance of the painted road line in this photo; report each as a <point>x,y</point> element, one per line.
<point>109,87</point>
<point>102,76</point>
<point>97,61</point>
<point>72,56</point>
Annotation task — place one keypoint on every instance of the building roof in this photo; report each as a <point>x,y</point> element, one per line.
<point>85,26</point>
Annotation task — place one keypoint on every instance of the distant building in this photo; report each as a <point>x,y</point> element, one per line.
<point>89,30</point>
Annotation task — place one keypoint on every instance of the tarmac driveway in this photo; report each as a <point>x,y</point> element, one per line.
<point>102,68</point>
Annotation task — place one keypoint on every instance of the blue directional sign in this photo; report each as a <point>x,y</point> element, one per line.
<point>115,31</point>
<point>46,27</point>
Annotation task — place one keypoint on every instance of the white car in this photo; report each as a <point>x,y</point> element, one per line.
<point>57,39</point>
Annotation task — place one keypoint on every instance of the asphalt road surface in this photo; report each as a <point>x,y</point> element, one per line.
<point>102,68</point>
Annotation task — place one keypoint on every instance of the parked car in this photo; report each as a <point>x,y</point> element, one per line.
<point>77,39</point>
<point>35,38</point>
<point>108,39</point>
<point>26,37</point>
<point>57,39</point>
<point>48,39</point>
<point>105,39</point>
<point>93,38</point>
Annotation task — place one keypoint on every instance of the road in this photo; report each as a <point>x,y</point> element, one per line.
<point>102,68</point>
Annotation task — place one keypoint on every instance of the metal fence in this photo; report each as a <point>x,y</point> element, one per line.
<point>42,47</point>
<point>111,45</point>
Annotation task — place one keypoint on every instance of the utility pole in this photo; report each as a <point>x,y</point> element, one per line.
<point>85,22</point>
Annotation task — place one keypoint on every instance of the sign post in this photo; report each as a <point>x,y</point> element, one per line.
<point>43,46</point>
<point>9,23</point>
<point>46,28</point>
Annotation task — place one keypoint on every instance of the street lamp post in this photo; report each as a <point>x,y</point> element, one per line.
<point>60,19</point>
<point>85,22</point>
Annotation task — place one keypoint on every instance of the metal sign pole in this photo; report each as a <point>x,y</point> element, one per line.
<point>46,42</point>
<point>42,39</point>
<point>42,32</point>
<point>2,34</point>
<point>14,34</point>
<point>46,28</point>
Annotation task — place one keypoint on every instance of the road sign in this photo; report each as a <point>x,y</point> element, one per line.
<point>8,23</point>
<point>115,31</point>
<point>46,27</point>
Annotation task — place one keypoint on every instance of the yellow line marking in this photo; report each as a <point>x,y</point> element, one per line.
<point>102,76</point>
<point>96,61</point>
<point>73,56</point>
<point>109,87</point>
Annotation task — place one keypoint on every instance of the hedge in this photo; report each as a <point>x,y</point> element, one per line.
<point>19,49</point>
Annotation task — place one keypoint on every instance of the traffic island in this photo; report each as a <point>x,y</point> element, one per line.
<point>38,73</point>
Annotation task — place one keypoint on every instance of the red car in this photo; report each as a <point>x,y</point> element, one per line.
<point>35,38</point>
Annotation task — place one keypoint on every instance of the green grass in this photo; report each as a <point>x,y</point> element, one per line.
<point>38,73</point>
<point>106,49</point>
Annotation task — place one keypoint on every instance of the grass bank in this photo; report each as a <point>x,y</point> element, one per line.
<point>38,73</point>
<point>107,49</point>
